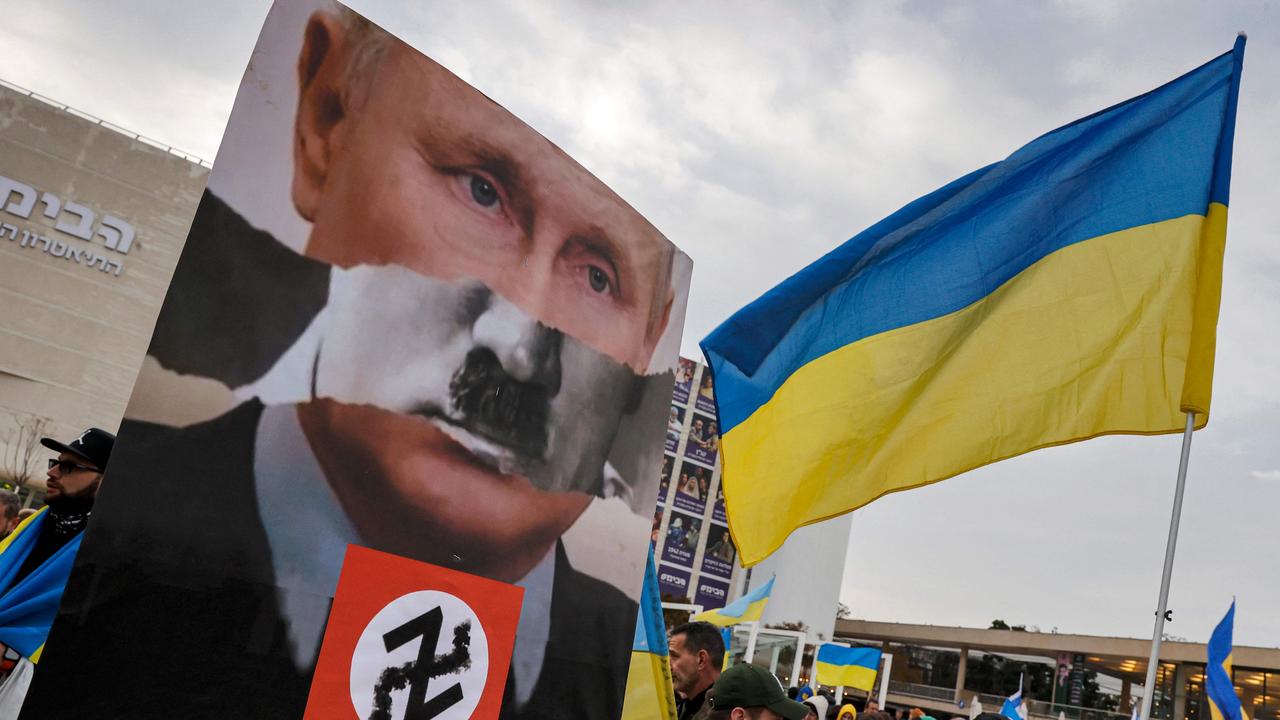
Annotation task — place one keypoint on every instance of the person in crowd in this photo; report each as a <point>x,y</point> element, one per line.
<point>696,650</point>
<point>750,692</point>
<point>10,506</point>
<point>817,706</point>
<point>872,706</point>
<point>25,513</point>
<point>847,711</point>
<point>37,560</point>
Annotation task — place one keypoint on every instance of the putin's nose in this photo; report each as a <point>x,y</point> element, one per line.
<point>528,350</point>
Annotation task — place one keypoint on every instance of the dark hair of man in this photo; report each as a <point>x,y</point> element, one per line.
<point>702,636</point>
<point>10,503</point>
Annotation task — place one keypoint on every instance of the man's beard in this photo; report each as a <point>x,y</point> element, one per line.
<point>79,501</point>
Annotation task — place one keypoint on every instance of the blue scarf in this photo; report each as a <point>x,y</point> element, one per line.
<point>27,608</point>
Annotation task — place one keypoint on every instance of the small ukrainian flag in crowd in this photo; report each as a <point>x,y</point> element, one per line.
<point>1068,291</point>
<point>747,608</point>
<point>847,666</point>
<point>1224,704</point>
<point>650,693</point>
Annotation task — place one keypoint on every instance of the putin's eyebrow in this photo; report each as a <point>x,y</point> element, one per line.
<point>596,240</point>
<point>455,152</point>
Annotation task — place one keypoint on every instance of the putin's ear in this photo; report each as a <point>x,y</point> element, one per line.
<point>322,107</point>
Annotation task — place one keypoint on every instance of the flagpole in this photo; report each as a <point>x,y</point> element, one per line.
<point>1148,689</point>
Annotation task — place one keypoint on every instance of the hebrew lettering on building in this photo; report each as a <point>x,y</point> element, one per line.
<point>18,198</point>
<point>70,218</point>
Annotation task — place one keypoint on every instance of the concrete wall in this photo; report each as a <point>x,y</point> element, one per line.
<point>72,335</point>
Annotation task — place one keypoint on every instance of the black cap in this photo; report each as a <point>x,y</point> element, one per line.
<point>93,445</point>
<point>751,686</point>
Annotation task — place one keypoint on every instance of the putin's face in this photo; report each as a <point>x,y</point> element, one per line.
<point>465,430</point>
<point>405,164</point>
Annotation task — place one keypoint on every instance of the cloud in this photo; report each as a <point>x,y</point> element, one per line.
<point>1265,474</point>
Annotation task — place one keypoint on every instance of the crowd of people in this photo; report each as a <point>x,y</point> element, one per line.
<point>748,692</point>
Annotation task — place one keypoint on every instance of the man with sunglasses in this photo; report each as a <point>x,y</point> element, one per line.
<point>36,559</point>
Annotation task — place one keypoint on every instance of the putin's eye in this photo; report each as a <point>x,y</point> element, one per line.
<point>483,192</point>
<point>598,279</point>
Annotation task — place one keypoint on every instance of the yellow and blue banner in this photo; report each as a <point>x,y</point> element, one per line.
<point>1068,291</point>
<point>1224,704</point>
<point>847,666</point>
<point>28,606</point>
<point>650,693</point>
<point>747,608</point>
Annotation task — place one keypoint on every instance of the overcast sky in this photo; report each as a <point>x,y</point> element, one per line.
<point>757,137</point>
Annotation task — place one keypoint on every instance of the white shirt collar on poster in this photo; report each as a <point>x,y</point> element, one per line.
<point>307,551</point>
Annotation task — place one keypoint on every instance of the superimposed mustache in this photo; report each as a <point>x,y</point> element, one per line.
<point>492,404</point>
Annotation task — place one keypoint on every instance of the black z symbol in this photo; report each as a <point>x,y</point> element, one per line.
<point>416,674</point>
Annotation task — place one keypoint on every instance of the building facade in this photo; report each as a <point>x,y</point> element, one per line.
<point>92,220</point>
<point>1081,677</point>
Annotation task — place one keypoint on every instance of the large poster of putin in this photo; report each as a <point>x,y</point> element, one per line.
<point>403,320</point>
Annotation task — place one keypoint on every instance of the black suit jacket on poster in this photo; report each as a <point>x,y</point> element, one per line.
<point>171,610</point>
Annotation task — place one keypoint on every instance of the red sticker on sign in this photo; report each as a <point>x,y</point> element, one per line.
<point>407,640</point>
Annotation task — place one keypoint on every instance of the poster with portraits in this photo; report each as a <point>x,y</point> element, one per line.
<point>683,534</point>
<point>703,444</point>
<point>675,426</point>
<point>405,321</point>
<point>664,478</point>
<point>685,370</point>
<point>717,507</point>
<point>706,397</point>
<point>718,557</point>
<point>692,485</point>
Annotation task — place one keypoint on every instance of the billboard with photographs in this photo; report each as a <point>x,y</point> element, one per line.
<point>693,498</point>
<point>711,593</point>
<point>675,428</point>
<point>692,486</point>
<point>704,439</point>
<point>672,581</point>
<point>685,371</point>
<point>718,557</point>
<point>403,320</point>
<point>706,399</point>
<point>664,478</point>
<point>684,533</point>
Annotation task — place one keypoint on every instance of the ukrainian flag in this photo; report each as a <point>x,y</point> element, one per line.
<point>1218,685</point>
<point>1068,291</point>
<point>747,608</point>
<point>28,607</point>
<point>649,690</point>
<point>850,667</point>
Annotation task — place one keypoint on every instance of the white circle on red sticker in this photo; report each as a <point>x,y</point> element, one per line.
<point>425,652</point>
